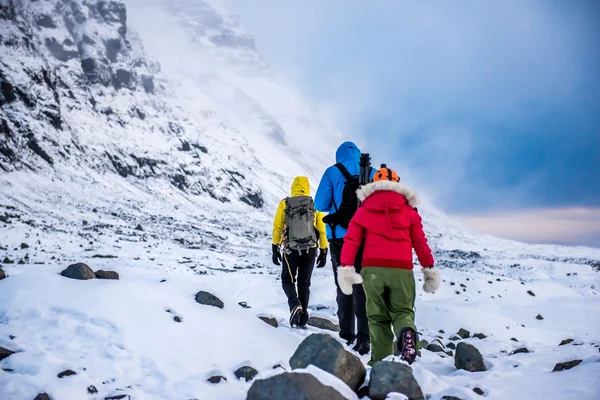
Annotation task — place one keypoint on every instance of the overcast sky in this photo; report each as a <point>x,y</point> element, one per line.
<point>492,109</point>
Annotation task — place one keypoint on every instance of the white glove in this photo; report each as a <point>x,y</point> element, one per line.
<point>347,276</point>
<point>432,279</point>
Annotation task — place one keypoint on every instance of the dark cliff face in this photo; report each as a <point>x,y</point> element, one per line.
<point>77,90</point>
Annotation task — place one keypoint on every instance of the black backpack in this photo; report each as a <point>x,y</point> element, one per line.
<point>344,213</point>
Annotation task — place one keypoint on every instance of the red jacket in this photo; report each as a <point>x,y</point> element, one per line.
<point>389,226</point>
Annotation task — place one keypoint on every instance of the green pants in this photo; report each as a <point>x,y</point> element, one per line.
<point>390,303</point>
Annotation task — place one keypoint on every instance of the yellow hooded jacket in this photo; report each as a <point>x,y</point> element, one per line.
<point>300,187</point>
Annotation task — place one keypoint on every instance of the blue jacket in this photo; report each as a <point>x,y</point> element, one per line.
<point>331,186</point>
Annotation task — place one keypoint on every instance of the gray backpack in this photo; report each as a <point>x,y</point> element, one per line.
<point>300,222</point>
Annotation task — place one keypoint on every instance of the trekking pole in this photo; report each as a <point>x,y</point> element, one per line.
<point>365,169</point>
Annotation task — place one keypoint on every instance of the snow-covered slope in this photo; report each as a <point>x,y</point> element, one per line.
<point>162,113</point>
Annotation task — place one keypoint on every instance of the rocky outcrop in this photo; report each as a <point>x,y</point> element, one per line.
<point>292,385</point>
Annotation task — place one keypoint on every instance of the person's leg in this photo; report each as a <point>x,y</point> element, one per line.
<point>345,311</point>
<point>380,323</point>
<point>402,299</point>
<point>359,304</point>
<point>305,270</point>
<point>288,278</point>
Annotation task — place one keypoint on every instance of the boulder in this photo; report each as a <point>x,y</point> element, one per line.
<point>323,323</point>
<point>451,346</point>
<point>467,357</point>
<point>390,377</point>
<point>436,348</point>
<point>539,317</point>
<point>107,275</point>
<point>424,343</point>
<point>455,338</point>
<point>2,274</point>
<point>478,391</point>
<point>246,372</point>
<point>269,320</point>
<point>324,352</point>
<point>42,396</point>
<point>479,336</point>
<point>290,385</point>
<point>24,246</point>
<point>208,299</point>
<point>78,271</point>
<point>521,350</point>
<point>463,333</point>
<point>216,379</point>
<point>566,365</point>
<point>529,292</point>
<point>67,372</point>
<point>5,353</point>
<point>562,343</point>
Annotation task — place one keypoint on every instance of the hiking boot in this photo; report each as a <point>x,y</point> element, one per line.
<point>362,348</point>
<point>295,317</point>
<point>407,345</point>
<point>303,320</point>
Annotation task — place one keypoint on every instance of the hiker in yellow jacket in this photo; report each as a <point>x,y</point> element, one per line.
<point>300,228</point>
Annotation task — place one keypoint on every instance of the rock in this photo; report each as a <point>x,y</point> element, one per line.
<point>118,397</point>
<point>478,391</point>
<point>67,372</point>
<point>177,318</point>
<point>514,339</point>
<point>441,331</point>
<point>451,398</point>
<point>363,392</point>
<point>2,274</point>
<point>455,338</point>
<point>449,353</point>
<point>566,365</point>
<point>246,372</point>
<point>208,299</point>
<point>24,246</point>
<point>566,341</point>
<point>270,320</point>
<point>4,353</point>
<point>463,333</point>
<point>529,292</point>
<point>139,228</point>
<point>243,304</point>
<point>8,261</point>
<point>436,348</point>
<point>390,377</point>
<point>467,357</point>
<point>451,346</point>
<point>42,396</point>
<point>424,344</point>
<point>539,317</point>
<point>78,271</point>
<point>292,385</point>
<point>521,350</point>
<point>324,352</point>
<point>107,275</point>
<point>479,336</point>
<point>92,389</point>
<point>323,323</point>
<point>216,379</point>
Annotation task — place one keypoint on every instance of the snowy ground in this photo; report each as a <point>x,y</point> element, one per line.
<point>119,336</point>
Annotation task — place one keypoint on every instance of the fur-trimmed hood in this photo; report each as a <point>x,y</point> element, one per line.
<point>412,199</point>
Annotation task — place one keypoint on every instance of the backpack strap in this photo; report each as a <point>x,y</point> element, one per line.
<point>344,171</point>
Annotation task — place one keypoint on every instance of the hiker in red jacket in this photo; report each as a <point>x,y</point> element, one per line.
<point>390,228</point>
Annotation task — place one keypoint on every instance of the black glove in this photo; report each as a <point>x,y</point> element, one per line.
<point>276,255</point>
<point>322,259</point>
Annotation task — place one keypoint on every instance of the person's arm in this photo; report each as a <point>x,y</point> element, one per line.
<point>324,195</point>
<point>320,225</point>
<point>353,239</point>
<point>279,223</point>
<point>419,241</point>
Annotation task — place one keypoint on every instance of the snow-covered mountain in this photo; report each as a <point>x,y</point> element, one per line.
<point>150,137</point>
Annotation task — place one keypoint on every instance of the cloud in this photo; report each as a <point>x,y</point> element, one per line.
<point>561,226</point>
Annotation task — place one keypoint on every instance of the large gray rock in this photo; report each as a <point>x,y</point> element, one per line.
<point>107,275</point>
<point>292,386</point>
<point>246,372</point>
<point>5,353</point>
<point>2,274</point>
<point>324,352</point>
<point>467,357</point>
<point>208,299</point>
<point>463,333</point>
<point>78,271</point>
<point>390,377</point>
<point>323,323</point>
<point>566,365</point>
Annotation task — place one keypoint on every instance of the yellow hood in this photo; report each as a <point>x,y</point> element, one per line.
<point>300,186</point>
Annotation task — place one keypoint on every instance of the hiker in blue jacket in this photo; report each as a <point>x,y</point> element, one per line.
<point>351,308</point>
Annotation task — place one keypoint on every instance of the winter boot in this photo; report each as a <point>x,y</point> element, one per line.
<point>407,345</point>
<point>303,320</point>
<point>296,316</point>
<point>362,348</point>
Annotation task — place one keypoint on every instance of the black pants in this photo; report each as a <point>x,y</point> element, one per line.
<point>352,307</point>
<point>297,270</point>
